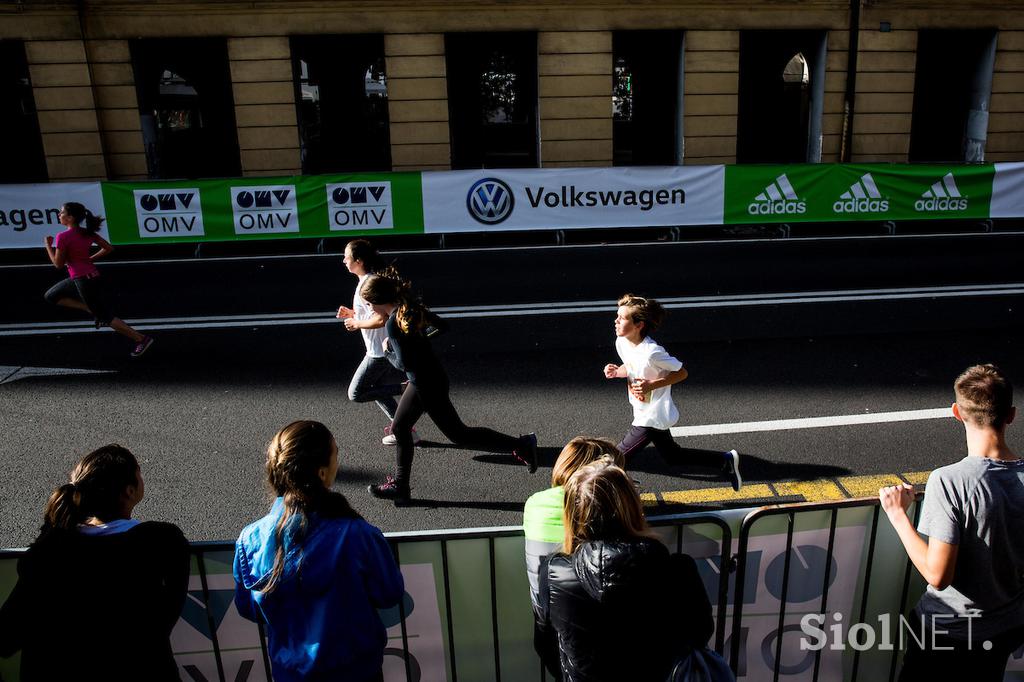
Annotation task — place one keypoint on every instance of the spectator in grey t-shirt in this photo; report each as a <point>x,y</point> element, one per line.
<point>973,559</point>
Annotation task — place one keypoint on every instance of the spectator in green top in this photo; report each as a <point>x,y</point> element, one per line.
<point>542,515</point>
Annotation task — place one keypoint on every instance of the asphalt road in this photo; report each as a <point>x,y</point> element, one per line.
<point>199,408</point>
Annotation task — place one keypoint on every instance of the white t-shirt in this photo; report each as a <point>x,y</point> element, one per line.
<point>373,338</point>
<point>648,360</point>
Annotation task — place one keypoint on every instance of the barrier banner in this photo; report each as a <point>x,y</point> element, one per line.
<point>1008,191</point>
<point>264,208</point>
<point>855,192</point>
<point>28,213</point>
<point>490,200</point>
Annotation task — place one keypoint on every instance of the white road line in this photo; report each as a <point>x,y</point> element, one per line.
<point>532,309</point>
<point>811,422</point>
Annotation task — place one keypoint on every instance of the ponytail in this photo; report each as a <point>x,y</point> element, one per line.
<point>95,489</point>
<point>294,458</point>
<point>387,287</point>
<point>83,217</point>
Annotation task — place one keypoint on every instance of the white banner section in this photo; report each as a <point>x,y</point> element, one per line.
<point>566,198</point>
<point>29,212</point>
<point>1008,191</point>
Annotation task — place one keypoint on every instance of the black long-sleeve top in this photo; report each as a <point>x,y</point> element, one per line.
<point>411,352</point>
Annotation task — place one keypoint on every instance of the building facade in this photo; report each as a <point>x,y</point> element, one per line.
<point>109,89</point>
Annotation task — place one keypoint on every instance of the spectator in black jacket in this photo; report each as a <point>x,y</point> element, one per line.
<point>622,608</point>
<point>98,592</point>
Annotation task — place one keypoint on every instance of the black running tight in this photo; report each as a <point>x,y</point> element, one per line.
<point>438,406</point>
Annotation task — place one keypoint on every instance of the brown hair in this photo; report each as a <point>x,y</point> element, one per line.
<point>83,217</point>
<point>578,453</point>
<point>97,483</point>
<point>645,310</point>
<point>386,288</point>
<point>294,459</point>
<point>364,251</point>
<point>601,504</point>
<point>984,396</point>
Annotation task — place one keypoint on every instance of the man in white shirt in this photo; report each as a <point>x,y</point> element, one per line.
<point>651,372</point>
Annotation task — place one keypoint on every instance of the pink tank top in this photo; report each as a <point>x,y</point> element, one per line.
<point>77,245</point>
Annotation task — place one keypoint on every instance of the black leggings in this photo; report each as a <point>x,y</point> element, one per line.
<point>637,438</point>
<point>91,291</point>
<point>437,404</point>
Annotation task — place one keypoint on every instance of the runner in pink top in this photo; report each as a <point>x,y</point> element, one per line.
<point>84,288</point>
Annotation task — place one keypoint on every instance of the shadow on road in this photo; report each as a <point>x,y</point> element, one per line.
<point>465,504</point>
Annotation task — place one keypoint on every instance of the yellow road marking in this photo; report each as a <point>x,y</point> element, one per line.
<point>867,486</point>
<point>917,477</point>
<point>812,491</point>
<point>820,490</point>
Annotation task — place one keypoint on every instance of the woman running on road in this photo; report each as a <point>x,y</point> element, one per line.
<point>408,348</point>
<point>375,378</point>
<point>84,289</point>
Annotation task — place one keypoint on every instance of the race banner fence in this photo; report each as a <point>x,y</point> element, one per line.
<point>800,593</point>
<point>442,202</point>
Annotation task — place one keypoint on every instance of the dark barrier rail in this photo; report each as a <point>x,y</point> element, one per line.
<point>470,584</point>
<point>791,516</point>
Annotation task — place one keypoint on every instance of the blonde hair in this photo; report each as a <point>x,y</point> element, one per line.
<point>578,453</point>
<point>645,310</point>
<point>984,396</point>
<point>601,503</point>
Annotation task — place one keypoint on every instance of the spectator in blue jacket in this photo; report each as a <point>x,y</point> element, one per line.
<point>313,570</point>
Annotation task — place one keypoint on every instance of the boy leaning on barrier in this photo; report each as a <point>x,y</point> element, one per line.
<point>973,559</point>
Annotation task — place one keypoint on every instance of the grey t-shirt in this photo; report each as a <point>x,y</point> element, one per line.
<point>977,504</point>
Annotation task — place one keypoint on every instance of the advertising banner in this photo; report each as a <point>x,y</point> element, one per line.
<point>855,192</point>
<point>28,213</point>
<point>1008,191</point>
<point>489,200</point>
<point>264,208</point>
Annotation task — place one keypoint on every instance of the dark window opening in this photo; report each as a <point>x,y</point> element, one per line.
<point>19,124</point>
<point>342,99</point>
<point>952,87</point>
<point>186,107</point>
<point>780,99</point>
<point>646,81</point>
<point>492,99</point>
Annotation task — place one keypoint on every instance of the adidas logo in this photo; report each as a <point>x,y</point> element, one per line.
<point>778,197</point>
<point>942,196</point>
<point>862,197</point>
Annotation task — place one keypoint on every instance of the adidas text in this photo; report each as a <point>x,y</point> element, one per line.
<point>944,204</point>
<point>861,206</point>
<point>776,207</point>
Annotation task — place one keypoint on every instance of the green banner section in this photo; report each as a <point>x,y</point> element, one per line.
<point>856,192</point>
<point>233,209</point>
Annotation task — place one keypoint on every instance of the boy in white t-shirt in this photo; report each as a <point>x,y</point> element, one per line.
<point>651,372</point>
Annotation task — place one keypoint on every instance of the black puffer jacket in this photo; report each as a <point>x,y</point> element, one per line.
<point>623,610</point>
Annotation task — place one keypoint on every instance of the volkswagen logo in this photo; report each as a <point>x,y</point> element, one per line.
<point>490,201</point>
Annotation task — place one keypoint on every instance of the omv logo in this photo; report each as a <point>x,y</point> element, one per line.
<point>490,201</point>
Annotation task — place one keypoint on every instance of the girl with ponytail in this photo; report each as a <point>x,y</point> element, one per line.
<point>84,289</point>
<point>375,378</point>
<point>409,326</point>
<point>312,570</point>
<point>120,582</point>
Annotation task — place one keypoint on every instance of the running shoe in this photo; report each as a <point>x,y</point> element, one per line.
<point>732,469</point>
<point>390,439</point>
<point>142,346</point>
<point>390,489</point>
<point>527,451</point>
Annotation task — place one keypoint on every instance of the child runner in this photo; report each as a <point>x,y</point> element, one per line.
<point>408,348</point>
<point>84,289</point>
<point>651,372</point>
<point>375,378</point>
